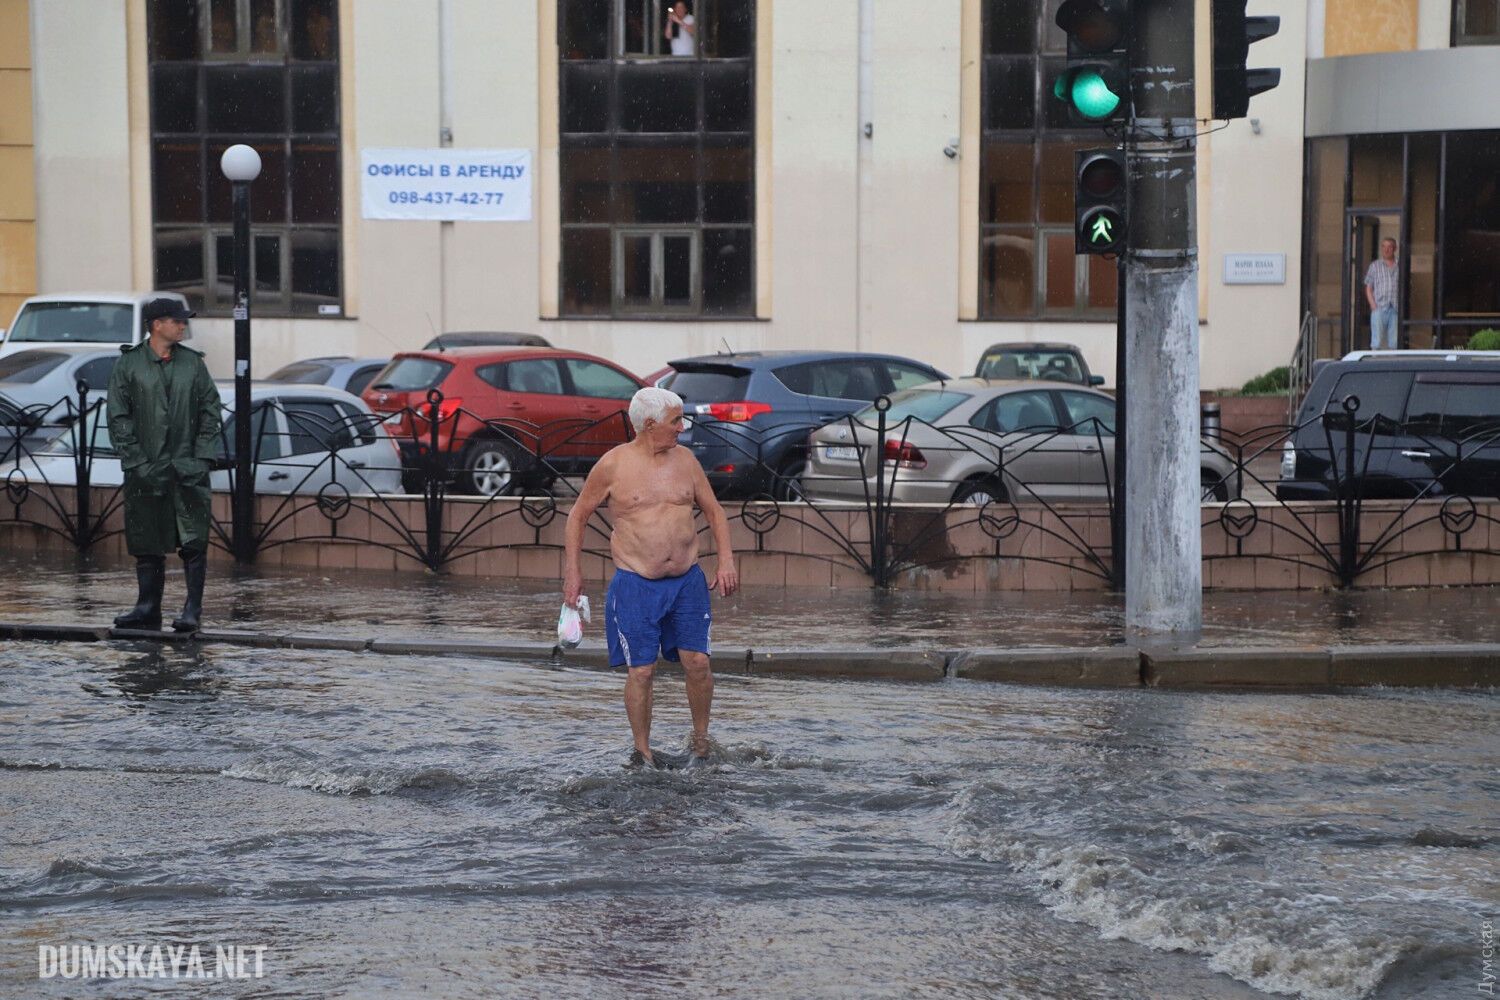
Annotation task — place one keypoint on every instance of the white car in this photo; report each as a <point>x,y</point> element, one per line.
<point>93,319</point>
<point>304,437</point>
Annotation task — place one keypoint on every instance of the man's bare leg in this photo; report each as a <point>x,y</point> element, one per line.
<point>700,695</point>
<point>638,706</point>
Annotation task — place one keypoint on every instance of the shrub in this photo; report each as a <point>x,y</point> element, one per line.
<point>1485,340</point>
<point>1273,382</point>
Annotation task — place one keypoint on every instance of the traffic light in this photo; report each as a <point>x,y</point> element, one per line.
<point>1099,201</point>
<point>1234,33</point>
<point>1095,84</point>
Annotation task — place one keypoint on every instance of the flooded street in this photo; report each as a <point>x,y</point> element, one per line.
<point>398,826</point>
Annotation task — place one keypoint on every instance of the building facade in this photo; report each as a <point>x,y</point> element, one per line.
<point>865,175</point>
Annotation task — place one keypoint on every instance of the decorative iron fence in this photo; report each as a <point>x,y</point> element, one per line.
<point>880,493</point>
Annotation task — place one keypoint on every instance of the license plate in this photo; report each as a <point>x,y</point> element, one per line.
<point>841,454</point>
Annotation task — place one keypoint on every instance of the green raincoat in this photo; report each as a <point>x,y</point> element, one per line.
<point>164,422</point>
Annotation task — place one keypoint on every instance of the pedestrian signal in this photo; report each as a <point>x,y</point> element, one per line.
<point>1099,201</point>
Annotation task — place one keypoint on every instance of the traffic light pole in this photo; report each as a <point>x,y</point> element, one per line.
<point>1121,510</point>
<point>1162,490</point>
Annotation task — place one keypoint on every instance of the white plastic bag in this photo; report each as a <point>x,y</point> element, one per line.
<point>569,628</point>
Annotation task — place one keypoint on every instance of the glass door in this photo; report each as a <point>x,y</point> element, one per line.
<point>1366,230</point>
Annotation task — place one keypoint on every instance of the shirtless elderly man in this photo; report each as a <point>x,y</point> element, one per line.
<point>658,602</point>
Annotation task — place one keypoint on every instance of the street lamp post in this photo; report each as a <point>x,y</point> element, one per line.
<point>241,165</point>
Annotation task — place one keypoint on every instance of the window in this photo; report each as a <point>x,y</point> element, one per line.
<point>539,376</point>
<point>1018,411</point>
<point>904,376</point>
<point>1027,265</point>
<point>837,379</point>
<point>316,426</point>
<point>413,375</point>
<point>922,404</point>
<point>265,73</point>
<point>74,322</point>
<point>1476,22</point>
<point>590,378</point>
<point>1381,395</point>
<point>95,374</point>
<point>656,159</point>
<point>1089,414</point>
<point>361,378</point>
<point>29,366</point>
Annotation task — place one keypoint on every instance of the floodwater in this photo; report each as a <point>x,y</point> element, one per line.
<point>401,826</point>
<point>62,588</point>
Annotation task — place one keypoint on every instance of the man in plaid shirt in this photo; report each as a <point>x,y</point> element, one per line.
<point>1382,291</point>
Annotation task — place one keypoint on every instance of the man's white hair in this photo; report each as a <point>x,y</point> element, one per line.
<point>652,404</point>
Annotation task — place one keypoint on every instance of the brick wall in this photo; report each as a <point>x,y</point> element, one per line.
<point>1277,547</point>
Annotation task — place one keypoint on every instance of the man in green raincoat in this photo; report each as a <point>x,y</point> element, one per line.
<point>164,422</point>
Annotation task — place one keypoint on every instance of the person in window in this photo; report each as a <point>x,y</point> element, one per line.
<point>1382,291</point>
<point>163,413</point>
<point>681,30</point>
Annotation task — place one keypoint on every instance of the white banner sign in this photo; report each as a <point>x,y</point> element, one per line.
<point>1255,269</point>
<point>483,185</point>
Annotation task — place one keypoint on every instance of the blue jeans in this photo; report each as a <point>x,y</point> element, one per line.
<point>1383,329</point>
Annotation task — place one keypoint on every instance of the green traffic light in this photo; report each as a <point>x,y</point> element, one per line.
<point>1103,230</point>
<point>1091,96</point>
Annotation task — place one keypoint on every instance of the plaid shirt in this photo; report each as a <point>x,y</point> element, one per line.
<point>1383,283</point>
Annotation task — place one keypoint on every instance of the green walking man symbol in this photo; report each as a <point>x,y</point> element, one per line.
<point>1103,231</point>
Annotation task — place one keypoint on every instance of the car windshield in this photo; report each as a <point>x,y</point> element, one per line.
<point>29,366</point>
<point>74,322</point>
<point>1057,365</point>
<point>919,404</point>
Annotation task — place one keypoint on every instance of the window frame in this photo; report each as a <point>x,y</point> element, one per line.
<point>1458,36</point>
<point>615,142</point>
<point>207,294</point>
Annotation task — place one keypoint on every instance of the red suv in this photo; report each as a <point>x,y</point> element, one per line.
<point>509,417</point>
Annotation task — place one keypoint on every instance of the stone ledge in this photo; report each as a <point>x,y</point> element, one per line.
<point>864,664</point>
<point>307,641</point>
<point>1100,666</point>
<point>72,633</point>
<point>1457,665</point>
<point>1195,667</point>
<point>238,637</point>
<point>492,650</point>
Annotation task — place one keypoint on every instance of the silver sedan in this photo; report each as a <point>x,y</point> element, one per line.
<point>303,438</point>
<point>973,440</point>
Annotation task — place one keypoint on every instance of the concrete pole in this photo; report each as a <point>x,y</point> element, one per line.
<point>1163,543</point>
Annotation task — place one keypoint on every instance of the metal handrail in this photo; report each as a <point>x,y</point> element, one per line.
<point>1300,368</point>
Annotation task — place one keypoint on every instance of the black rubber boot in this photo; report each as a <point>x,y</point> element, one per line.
<point>150,578</point>
<point>194,569</point>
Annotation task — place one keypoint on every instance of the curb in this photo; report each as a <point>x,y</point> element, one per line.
<point>1460,665</point>
<point>1286,668</point>
<point>864,664</point>
<point>1276,668</point>
<point>1099,666</point>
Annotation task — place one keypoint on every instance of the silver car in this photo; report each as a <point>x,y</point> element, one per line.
<point>974,440</point>
<point>304,437</point>
<point>39,379</point>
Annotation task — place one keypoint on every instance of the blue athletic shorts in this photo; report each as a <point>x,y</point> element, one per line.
<point>644,618</point>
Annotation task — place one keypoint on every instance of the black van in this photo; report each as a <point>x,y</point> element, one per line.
<point>1425,425</point>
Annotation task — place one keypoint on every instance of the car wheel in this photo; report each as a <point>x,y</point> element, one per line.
<point>788,485</point>
<point>979,492</point>
<point>1215,490</point>
<point>491,468</point>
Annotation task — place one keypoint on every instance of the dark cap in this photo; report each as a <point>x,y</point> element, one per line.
<point>164,309</point>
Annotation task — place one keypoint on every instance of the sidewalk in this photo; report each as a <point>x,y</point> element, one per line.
<point>1318,638</point>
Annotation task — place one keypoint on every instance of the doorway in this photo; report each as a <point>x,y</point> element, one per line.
<point>1367,227</point>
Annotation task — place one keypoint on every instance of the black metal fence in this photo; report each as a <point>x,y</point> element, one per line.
<point>879,493</point>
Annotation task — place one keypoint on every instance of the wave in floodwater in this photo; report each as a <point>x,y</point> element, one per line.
<point>884,840</point>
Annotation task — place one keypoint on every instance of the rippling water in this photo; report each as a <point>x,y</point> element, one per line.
<point>396,827</point>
